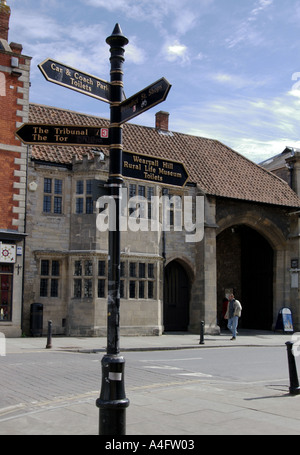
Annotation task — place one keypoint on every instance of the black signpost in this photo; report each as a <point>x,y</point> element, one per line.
<point>112,402</point>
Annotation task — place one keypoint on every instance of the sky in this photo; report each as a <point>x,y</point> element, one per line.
<point>234,65</point>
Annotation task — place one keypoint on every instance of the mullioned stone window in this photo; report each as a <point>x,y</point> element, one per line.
<point>84,198</point>
<point>49,278</point>
<point>52,201</point>
<point>141,280</point>
<point>83,283</point>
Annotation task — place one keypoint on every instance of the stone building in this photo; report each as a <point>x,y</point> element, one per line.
<point>167,282</point>
<point>246,237</point>
<point>286,165</point>
<point>14,99</point>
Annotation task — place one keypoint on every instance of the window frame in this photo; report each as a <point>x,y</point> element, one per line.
<point>141,280</point>
<point>84,204</point>
<point>6,292</point>
<point>50,278</point>
<point>83,278</point>
<point>53,196</point>
<point>101,279</point>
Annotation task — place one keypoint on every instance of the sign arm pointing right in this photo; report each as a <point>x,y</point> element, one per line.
<point>145,99</point>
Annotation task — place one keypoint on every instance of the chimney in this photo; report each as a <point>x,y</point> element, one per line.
<point>162,121</point>
<point>16,48</point>
<point>4,20</point>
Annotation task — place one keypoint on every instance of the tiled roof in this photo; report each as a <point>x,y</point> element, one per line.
<point>279,161</point>
<point>217,169</point>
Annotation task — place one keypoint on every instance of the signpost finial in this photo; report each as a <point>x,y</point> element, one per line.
<point>117,36</point>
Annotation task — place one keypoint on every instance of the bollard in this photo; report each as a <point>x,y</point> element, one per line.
<point>112,402</point>
<point>202,333</point>
<point>294,382</point>
<point>49,336</point>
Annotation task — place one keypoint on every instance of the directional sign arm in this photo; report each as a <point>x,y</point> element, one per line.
<point>31,133</point>
<point>144,100</point>
<point>74,79</point>
<point>154,169</point>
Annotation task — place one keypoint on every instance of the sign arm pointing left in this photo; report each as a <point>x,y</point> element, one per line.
<point>31,133</point>
<point>71,78</point>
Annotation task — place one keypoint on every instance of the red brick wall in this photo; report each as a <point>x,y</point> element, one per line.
<point>9,106</point>
<point>4,21</point>
<point>8,119</point>
<point>7,180</point>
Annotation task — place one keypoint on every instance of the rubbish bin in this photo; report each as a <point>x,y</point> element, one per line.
<point>36,319</point>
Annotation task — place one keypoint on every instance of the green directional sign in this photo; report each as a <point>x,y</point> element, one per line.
<point>144,100</point>
<point>30,133</point>
<point>69,77</point>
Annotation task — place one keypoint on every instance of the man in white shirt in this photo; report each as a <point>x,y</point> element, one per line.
<point>234,312</point>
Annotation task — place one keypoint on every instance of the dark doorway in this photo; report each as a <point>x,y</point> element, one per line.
<point>245,264</point>
<point>176,298</point>
<point>257,280</point>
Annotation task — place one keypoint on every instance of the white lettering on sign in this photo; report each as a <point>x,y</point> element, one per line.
<point>104,132</point>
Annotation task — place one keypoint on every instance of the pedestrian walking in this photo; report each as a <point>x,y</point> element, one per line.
<point>233,313</point>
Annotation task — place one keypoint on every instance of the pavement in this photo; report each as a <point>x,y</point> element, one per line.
<point>168,341</point>
<point>195,406</point>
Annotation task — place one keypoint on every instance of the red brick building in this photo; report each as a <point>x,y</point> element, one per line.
<point>14,98</point>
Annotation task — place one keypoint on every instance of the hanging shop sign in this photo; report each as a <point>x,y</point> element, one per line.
<point>7,253</point>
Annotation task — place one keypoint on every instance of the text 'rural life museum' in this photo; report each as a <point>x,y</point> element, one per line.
<point>189,236</point>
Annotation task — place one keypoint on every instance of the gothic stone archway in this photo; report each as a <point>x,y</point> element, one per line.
<point>245,263</point>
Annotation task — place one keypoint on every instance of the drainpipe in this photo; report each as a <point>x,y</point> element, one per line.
<point>24,241</point>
